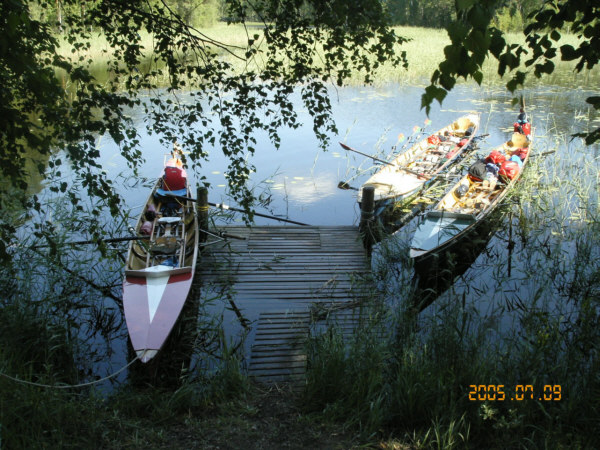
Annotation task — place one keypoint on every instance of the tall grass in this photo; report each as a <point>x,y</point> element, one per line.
<point>425,50</point>
<point>60,323</point>
<point>537,324</point>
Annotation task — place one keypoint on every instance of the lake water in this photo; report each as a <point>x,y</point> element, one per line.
<point>302,180</point>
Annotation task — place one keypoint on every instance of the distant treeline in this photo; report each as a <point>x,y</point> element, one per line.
<point>193,12</point>
<point>510,16</point>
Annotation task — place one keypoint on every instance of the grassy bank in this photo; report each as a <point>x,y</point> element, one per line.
<point>424,51</point>
<point>411,387</point>
<point>506,357</point>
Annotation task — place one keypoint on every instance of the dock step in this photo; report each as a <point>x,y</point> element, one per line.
<point>278,353</point>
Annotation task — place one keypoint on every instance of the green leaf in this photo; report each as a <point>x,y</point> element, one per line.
<point>432,93</point>
<point>594,101</point>
<point>497,44</point>
<point>478,17</point>
<point>568,53</point>
<point>457,31</point>
<point>518,80</point>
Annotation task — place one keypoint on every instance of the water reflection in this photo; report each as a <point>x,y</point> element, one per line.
<point>302,180</point>
<point>435,274</point>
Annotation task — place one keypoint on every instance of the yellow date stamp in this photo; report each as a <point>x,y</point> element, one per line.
<point>519,392</point>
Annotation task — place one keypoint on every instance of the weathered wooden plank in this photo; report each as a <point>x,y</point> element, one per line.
<point>281,324</point>
<point>258,360</point>
<point>276,342</point>
<point>288,315</point>
<point>295,379</point>
<point>290,321</point>
<point>270,351</point>
<point>322,296</point>
<point>278,354</point>
<point>289,270</point>
<point>290,335</point>
<point>278,363</point>
<point>293,279</point>
<point>278,325</point>
<point>278,370</point>
<point>300,265</point>
<point>313,289</point>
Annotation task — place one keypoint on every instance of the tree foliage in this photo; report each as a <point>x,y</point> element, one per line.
<point>51,102</point>
<point>422,13</point>
<point>474,38</point>
<point>304,44</point>
<point>509,15</point>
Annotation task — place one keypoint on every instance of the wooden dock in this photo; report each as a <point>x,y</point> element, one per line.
<point>275,279</point>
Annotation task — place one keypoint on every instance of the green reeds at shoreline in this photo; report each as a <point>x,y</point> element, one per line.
<point>424,50</point>
<point>503,358</point>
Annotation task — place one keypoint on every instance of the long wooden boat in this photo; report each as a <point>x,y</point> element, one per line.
<point>159,271</point>
<point>409,171</point>
<point>465,205</point>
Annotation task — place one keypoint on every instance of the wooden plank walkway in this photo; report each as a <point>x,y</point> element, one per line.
<point>278,353</point>
<point>274,276</point>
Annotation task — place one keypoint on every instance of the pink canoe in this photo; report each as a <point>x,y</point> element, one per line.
<point>159,271</point>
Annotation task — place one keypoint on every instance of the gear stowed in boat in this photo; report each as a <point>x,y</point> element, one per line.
<point>474,196</point>
<point>409,171</point>
<point>159,271</point>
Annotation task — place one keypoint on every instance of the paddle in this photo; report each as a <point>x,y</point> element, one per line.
<point>417,133</point>
<point>109,240</point>
<point>542,154</point>
<point>345,147</point>
<point>345,186</point>
<point>480,137</point>
<point>231,208</point>
<point>135,238</point>
<point>222,235</point>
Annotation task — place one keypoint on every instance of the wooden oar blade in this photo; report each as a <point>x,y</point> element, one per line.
<point>345,186</point>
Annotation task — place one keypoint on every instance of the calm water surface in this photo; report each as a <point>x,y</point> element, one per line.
<point>302,180</point>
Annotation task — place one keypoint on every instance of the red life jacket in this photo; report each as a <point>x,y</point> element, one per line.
<point>509,169</point>
<point>521,153</point>
<point>523,128</point>
<point>496,157</point>
<point>433,140</point>
<point>173,179</point>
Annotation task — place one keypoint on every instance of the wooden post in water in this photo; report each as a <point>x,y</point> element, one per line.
<point>202,211</point>
<point>367,209</point>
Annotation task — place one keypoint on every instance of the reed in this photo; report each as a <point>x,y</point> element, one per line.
<point>424,51</point>
<point>536,325</point>
<point>58,324</point>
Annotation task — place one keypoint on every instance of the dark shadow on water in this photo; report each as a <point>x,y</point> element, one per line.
<point>437,273</point>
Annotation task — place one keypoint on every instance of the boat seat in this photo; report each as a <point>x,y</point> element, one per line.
<point>165,245</point>
<point>451,214</point>
<point>169,220</point>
